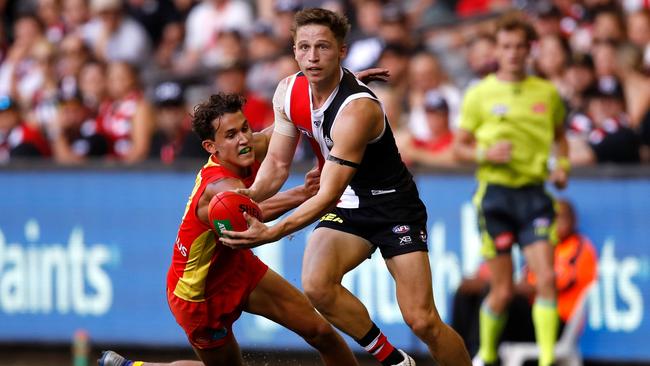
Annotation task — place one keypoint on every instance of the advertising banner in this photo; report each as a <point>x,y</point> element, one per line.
<point>90,250</point>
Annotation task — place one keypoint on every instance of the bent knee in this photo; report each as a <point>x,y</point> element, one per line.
<point>424,324</point>
<point>546,279</point>
<point>321,333</point>
<point>320,293</point>
<point>502,295</point>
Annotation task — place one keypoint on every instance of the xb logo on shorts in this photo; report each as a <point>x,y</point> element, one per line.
<point>405,240</point>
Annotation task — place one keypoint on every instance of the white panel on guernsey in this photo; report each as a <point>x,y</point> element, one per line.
<point>349,199</point>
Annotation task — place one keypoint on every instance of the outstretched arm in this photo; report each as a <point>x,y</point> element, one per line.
<point>284,201</point>
<point>271,208</point>
<point>275,167</point>
<point>361,121</point>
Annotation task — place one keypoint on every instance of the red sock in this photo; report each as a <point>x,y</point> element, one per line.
<point>376,343</point>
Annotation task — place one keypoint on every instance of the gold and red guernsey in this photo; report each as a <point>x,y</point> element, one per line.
<point>199,259</point>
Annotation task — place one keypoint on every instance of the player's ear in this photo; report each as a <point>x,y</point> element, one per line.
<point>209,146</point>
<point>343,51</point>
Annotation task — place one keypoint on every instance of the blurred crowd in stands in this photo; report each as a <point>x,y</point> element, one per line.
<point>115,79</point>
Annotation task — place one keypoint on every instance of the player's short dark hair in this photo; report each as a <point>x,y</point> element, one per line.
<point>515,22</point>
<point>205,113</point>
<point>337,23</point>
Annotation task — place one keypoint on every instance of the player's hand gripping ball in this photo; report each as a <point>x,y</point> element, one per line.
<point>226,211</point>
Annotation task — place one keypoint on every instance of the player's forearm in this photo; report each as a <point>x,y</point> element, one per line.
<point>269,180</point>
<point>305,214</point>
<point>282,202</point>
<point>562,146</point>
<point>560,158</point>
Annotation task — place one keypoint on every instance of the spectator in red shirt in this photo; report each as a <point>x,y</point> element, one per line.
<point>126,119</point>
<point>232,79</point>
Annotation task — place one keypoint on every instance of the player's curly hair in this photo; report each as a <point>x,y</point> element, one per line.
<point>212,109</point>
<point>337,23</point>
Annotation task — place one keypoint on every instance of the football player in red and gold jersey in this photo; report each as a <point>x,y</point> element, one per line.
<point>209,284</point>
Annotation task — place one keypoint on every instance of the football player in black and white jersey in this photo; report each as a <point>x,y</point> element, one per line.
<point>367,197</point>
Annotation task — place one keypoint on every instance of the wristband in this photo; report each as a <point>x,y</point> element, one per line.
<point>561,162</point>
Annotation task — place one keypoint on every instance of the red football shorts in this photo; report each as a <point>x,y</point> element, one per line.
<point>208,323</point>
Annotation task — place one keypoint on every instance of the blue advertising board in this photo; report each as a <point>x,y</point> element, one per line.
<point>90,250</point>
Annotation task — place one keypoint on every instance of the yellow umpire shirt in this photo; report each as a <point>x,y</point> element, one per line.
<point>526,113</point>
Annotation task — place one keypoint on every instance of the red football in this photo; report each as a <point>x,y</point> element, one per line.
<point>226,210</point>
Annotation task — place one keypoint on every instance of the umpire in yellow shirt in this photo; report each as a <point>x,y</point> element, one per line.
<point>512,128</point>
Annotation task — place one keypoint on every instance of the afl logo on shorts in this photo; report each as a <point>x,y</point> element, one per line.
<point>401,229</point>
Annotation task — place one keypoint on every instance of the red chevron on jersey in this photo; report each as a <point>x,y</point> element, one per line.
<point>300,113</point>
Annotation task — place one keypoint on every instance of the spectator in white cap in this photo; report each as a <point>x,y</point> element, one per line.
<point>427,73</point>
<point>434,151</point>
<point>113,36</point>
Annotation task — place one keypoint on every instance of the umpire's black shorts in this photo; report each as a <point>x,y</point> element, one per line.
<point>522,215</point>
